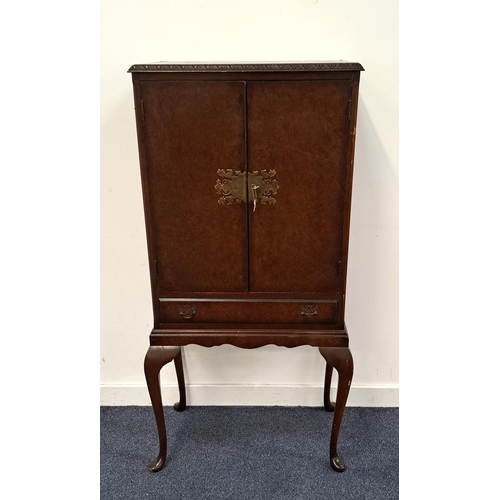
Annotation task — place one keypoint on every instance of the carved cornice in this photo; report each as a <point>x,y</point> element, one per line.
<point>324,66</point>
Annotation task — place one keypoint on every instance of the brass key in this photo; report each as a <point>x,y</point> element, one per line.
<point>254,195</point>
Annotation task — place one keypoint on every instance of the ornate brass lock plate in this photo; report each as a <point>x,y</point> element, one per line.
<point>236,188</point>
<point>232,188</point>
<point>263,187</point>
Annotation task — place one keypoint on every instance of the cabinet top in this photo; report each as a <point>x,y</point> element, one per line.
<point>202,67</point>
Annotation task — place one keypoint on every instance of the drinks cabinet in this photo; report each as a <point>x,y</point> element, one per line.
<point>246,178</point>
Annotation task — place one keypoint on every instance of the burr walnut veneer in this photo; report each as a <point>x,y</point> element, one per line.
<point>246,177</point>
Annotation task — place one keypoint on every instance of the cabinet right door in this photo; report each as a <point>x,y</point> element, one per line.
<point>300,129</point>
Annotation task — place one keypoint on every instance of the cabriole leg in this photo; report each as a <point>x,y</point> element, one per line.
<point>156,358</point>
<point>339,358</point>
<point>329,406</point>
<point>179,370</point>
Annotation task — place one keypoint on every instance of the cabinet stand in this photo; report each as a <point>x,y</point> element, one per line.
<point>158,356</point>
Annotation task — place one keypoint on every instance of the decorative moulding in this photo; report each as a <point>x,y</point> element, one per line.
<point>319,66</point>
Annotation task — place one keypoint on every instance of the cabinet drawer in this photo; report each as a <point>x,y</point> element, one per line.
<point>247,311</point>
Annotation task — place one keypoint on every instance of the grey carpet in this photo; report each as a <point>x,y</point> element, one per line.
<point>249,453</point>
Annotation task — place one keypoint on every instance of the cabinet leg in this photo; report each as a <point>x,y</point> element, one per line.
<point>179,370</point>
<point>329,406</point>
<point>341,360</point>
<point>156,358</point>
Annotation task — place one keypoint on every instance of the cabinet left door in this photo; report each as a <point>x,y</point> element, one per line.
<point>190,131</point>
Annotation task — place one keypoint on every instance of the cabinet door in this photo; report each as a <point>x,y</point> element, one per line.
<point>299,129</point>
<point>190,131</point>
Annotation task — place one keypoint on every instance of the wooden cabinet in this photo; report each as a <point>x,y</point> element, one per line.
<point>246,175</point>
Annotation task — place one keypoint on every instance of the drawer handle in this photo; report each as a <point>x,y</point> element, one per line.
<point>308,310</point>
<point>187,311</point>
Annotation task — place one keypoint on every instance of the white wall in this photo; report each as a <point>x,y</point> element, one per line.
<point>141,31</point>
